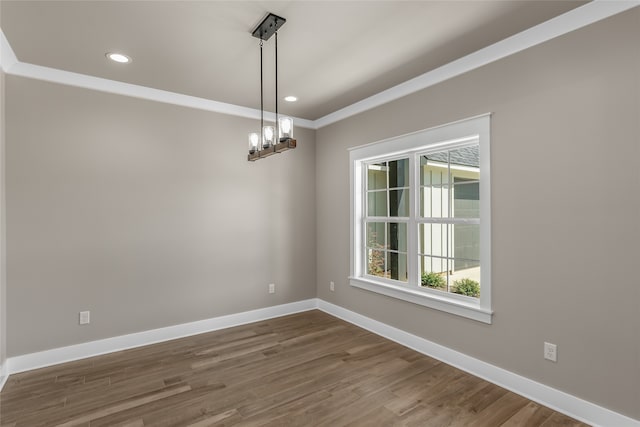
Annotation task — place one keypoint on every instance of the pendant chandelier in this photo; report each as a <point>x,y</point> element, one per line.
<point>271,139</point>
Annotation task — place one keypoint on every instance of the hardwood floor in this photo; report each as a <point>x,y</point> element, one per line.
<point>307,369</point>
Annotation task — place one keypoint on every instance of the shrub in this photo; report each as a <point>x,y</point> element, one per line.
<point>433,280</point>
<point>376,263</point>
<point>467,287</point>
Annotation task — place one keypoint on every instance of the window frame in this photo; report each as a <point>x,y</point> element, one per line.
<point>413,145</point>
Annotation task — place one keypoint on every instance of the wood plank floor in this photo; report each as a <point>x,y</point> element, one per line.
<point>307,369</point>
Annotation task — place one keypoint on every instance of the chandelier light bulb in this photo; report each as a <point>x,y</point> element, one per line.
<point>286,128</point>
<point>268,134</point>
<point>254,138</point>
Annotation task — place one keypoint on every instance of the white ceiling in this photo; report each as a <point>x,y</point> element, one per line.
<point>331,53</point>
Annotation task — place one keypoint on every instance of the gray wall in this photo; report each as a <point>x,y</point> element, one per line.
<point>3,240</point>
<point>146,214</point>
<point>565,178</point>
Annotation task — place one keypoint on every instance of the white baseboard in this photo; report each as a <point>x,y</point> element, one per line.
<point>55,356</point>
<point>572,406</point>
<point>555,399</point>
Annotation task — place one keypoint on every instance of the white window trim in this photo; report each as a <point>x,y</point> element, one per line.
<point>446,135</point>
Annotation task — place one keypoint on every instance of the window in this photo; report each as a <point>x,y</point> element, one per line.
<point>386,221</point>
<point>420,218</point>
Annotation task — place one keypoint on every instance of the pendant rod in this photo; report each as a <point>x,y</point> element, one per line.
<point>277,121</point>
<point>261,100</point>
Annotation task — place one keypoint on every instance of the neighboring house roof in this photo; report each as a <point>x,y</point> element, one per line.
<point>465,156</point>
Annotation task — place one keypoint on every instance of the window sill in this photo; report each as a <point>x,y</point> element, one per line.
<point>466,309</point>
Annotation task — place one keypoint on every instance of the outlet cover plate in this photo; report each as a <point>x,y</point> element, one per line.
<point>550,352</point>
<point>85,318</point>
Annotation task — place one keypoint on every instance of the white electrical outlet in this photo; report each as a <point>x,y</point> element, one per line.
<point>272,288</point>
<point>85,317</point>
<point>332,286</point>
<point>551,352</point>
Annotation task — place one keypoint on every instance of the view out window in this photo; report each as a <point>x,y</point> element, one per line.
<point>421,218</point>
<point>387,216</point>
<point>449,220</point>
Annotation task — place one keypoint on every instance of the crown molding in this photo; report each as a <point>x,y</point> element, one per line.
<point>577,18</point>
<point>127,89</point>
<point>7,56</point>
<point>574,19</point>
<point>11,65</point>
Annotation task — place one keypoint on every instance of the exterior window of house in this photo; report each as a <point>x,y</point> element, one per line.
<point>420,226</point>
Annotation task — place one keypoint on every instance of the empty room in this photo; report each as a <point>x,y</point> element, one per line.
<point>320,213</point>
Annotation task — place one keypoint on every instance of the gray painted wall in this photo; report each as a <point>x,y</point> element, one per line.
<point>565,178</point>
<point>3,234</point>
<point>146,214</point>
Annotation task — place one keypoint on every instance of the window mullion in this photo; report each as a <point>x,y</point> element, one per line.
<point>448,225</point>
<point>412,227</point>
<point>365,209</point>
<point>387,245</point>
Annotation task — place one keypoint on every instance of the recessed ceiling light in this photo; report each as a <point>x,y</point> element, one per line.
<point>118,57</point>
<point>290,98</point>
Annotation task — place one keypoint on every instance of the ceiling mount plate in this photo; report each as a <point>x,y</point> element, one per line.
<point>268,26</point>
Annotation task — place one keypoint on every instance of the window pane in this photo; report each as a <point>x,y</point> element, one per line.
<point>434,272</point>
<point>466,243</point>
<point>434,201</point>
<point>436,240</point>
<point>376,264</point>
<point>451,251</point>
<point>399,203</point>
<point>375,235</point>
<point>377,203</point>
<point>465,282</point>
<point>434,169</point>
<point>466,198</point>
<point>397,266</point>
<point>377,176</point>
<point>465,158</point>
<point>397,232</point>
<point>434,180</point>
<point>399,173</point>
